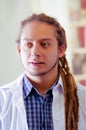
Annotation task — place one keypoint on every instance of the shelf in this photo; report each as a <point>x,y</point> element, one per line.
<point>80,77</point>
<point>77,18</point>
<point>78,23</point>
<point>79,50</point>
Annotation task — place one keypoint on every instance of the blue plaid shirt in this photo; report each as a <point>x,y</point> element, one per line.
<point>38,108</point>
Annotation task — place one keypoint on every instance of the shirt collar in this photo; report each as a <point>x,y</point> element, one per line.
<point>58,89</point>
<point>60,84</point>
<point>27,86</point>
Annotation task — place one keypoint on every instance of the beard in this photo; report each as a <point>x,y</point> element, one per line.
<point>46,72</point>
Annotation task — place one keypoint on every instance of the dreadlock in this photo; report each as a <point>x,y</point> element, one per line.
<point>71,98</point>
<point>70,88</point>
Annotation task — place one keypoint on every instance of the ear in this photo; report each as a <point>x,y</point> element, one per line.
<point>61,51</point>
<point>19,49</point>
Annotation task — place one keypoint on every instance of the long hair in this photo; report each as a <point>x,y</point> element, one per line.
<point>70,89</point>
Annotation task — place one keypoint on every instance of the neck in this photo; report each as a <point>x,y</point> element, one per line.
<point>43,83</point>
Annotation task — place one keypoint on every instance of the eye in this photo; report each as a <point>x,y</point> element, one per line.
<point>44,44</point>
<point>28,45</point>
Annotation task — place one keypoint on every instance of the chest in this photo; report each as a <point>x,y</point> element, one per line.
<point>39,112</point>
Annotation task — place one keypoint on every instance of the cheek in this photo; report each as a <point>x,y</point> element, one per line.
<point>24,53</point>
<point>24,56</point>
<point>53,57</point>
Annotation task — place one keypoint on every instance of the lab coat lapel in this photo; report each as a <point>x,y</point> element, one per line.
<point>18,104</point>
<point>58,108</point>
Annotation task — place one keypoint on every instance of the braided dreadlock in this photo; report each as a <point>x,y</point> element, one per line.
<point>70,92</point>
<point>70,89</point>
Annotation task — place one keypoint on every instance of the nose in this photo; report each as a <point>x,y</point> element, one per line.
<point>35,51</point>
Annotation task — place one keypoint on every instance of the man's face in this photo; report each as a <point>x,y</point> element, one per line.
<point>39,49</point>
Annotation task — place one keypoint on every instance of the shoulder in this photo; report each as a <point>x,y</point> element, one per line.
<point>11,87</point>
<point>82,95</point>
<point>8,92</point>
<point>81,90</point>
<point>7,86</point>
<point>5,90</point>
<point>5,98</point>
<point>13,84</point>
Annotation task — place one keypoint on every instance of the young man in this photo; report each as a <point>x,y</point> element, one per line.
<point>46,96</point>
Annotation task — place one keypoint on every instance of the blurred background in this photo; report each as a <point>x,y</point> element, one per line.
<point>70,13</point>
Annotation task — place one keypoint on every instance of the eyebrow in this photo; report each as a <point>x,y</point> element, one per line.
<point>47,39</point>
<point>43,39</point>
<point>26,39</point>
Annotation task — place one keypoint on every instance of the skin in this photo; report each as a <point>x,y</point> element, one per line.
<point>39,54</point>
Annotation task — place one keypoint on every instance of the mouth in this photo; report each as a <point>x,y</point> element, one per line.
<point>36,63</point>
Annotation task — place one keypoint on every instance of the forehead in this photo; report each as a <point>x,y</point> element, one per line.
<point>36,27</point>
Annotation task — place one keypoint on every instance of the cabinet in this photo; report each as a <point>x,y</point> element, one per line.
<point>77,20</point>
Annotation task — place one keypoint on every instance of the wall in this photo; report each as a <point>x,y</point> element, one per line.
<point>11,13</point>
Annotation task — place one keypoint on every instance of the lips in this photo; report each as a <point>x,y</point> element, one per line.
<point>36,62</point>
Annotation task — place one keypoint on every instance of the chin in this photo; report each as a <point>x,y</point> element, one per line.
<point>37,73</point>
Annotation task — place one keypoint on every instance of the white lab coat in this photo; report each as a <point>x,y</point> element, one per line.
<point>12,110</point>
